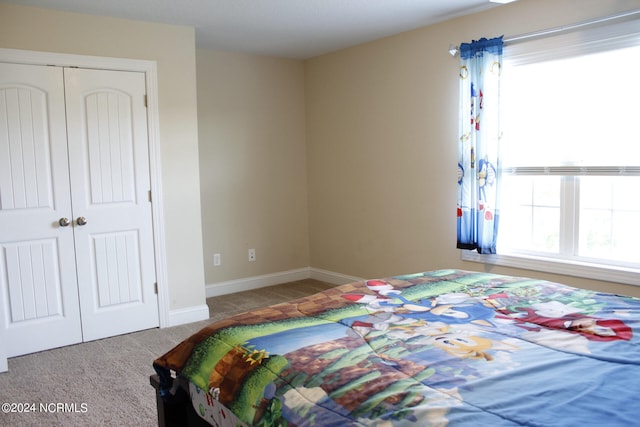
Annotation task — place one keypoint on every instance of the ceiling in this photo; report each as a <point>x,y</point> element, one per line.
<point>282,28</point>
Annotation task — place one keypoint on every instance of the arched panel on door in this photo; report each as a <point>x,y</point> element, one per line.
<point>38,282</point>
<point>110,183</point>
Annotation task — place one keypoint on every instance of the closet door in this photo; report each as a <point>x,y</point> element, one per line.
<point>110,187</point>
<point>38,282</point>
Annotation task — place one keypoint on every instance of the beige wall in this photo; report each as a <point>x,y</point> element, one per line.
<point>252,164</point>
<point>340,162</point>
<point>173,47</point>
<point>381,142</point>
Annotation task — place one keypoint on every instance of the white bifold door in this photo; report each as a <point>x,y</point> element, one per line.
<point>76,237</point>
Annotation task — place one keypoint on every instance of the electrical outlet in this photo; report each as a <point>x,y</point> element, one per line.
<point>252,255</point>
<point>216,260</point>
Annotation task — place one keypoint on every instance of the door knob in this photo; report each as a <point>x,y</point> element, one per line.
<point>64,222</point>
<point>81,220</point>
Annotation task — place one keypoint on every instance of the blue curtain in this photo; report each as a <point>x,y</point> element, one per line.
<point>479,136</point>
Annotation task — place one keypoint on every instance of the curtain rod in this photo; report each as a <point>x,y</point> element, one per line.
<point>453,50</point>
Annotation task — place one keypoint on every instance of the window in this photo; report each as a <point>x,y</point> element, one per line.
<point>570,150</point>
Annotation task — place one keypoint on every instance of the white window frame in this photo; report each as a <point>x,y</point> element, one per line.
<point>602,37</point>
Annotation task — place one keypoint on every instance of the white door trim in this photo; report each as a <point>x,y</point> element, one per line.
<point>153,114</point>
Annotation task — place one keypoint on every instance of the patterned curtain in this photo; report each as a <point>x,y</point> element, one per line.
<point>479,135</point>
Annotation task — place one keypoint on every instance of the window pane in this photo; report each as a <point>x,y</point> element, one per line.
<point>625,193</point>
<point>562,112</point>
<point>530,213</point>
<point>609,218</point>
<point>569,110</point>
<point>595,192</point>
<point>595,233</point>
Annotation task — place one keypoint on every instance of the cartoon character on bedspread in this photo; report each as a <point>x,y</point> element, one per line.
<point>387,298</point>
<point>455,307</point>
<point>558,316</point>
<point>452,308</point>
<point>448,322</point>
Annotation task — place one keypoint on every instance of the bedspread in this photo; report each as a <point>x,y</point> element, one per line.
<point>445,347</point>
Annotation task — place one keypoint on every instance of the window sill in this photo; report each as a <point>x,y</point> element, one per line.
<point>628,276</point>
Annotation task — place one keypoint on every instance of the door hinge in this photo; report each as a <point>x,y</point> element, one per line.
<point>145,101</point>
<point>155,288</point>
<point>149,196</point>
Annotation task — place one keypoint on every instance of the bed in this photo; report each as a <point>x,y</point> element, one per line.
<point>441,348</point>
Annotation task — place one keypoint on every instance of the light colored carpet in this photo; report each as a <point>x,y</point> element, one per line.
<point>106,382</point>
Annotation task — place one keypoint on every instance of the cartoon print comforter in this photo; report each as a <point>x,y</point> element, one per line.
<point>438,348</point>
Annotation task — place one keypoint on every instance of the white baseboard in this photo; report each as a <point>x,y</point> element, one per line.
<point>256,282</point>
<point>188,315</point>
<point>201,312</point>
<point>332,277</point>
